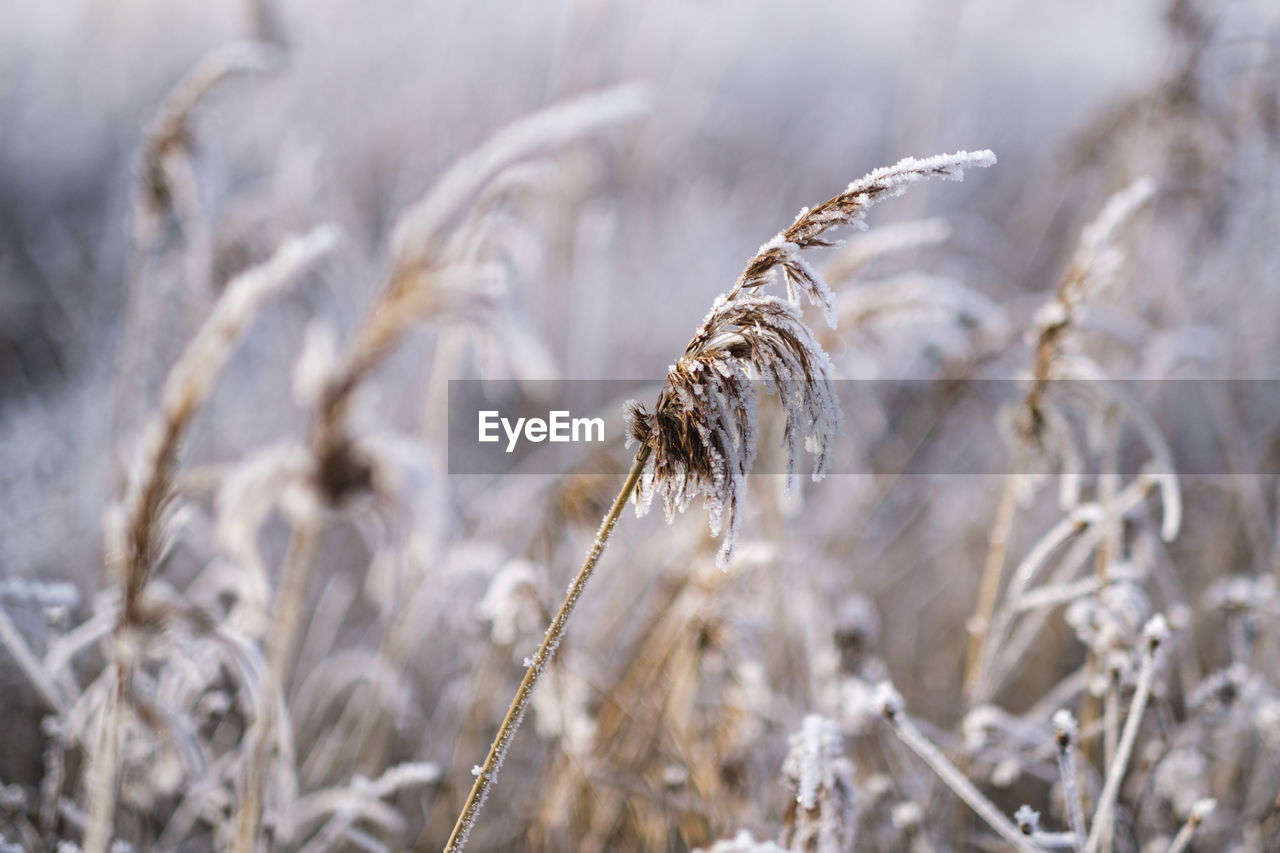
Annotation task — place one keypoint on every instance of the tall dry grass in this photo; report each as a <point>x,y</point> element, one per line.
<point>301,632</point>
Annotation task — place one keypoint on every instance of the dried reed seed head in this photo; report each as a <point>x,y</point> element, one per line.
<point>850,206</point>
<point>420,231</point>
<point>701,435</point>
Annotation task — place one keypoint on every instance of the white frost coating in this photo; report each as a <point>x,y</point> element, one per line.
<point>810,762</point>
<point>821,778</point>
<point>1204,808</point>
<point>907,815</point>
<point>909,170</point>
<point>818,292</point>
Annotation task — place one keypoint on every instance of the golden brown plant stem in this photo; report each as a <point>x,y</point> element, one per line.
<point>104,767</point>
<point>283,634</point>
<point>1090,713</point>
<point>992,571</point>
<point>280,645</point>
<point>538,664</point>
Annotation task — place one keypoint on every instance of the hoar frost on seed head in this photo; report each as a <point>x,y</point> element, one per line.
<point>701,435</point>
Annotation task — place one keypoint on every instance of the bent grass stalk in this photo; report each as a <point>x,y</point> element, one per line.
<point>304,541</point>
<point>989,589</point>
<point>1155,633</point>
<point>894,712</point>
<point>488,772</point>
<point>1065,734</point>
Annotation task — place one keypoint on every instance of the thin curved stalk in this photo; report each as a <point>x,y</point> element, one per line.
<point>989,590</point>
<point>280,648</point>
<point>487,773</point>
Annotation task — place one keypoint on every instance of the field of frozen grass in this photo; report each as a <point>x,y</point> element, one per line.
<point>245,246</point>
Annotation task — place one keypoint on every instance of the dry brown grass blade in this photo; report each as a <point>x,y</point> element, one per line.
<point>169,135</point>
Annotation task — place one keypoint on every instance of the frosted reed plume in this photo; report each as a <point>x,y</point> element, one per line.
<point>700,437</point>
<point>188,384</point>
<point>702,432</point>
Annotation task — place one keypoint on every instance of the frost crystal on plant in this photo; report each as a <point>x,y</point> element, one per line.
<point>821,778</point>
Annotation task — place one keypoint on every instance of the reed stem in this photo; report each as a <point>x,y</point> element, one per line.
<point>487,773</point>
